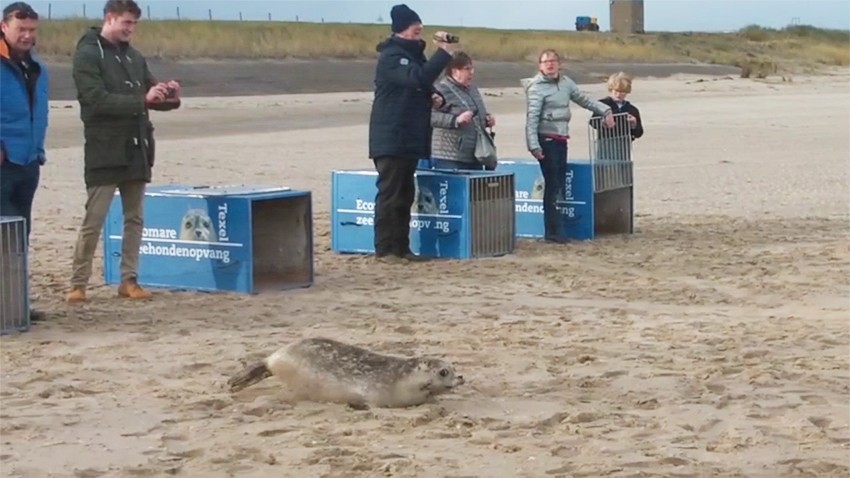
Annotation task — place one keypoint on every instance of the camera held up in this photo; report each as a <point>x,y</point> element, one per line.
<point>448,38</point>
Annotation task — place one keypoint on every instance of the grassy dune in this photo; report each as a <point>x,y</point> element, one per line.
<point>759,49</point>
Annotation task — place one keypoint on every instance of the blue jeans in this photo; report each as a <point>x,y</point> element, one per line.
<point>448,164</point>
<point>554,169</point>
<point>17,190</point>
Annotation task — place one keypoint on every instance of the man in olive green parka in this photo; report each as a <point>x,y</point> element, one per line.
<point>115,90</point>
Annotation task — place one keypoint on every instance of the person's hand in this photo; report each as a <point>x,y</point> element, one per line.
<point>491,120</point>
<point>609,120</point>
<point>156,94</point>
<point>538,154</point>
<point>464,118</point>
<point>436,101</point>
<point>632,121</point>
<point>439,42</point>
<point>175,87</point>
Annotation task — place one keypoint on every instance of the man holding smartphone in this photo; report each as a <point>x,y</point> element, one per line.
<point>116,89</point>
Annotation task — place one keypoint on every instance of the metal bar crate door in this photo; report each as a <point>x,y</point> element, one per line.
<point>14,276</point>
<point>492,215</point>
<point>611,153</point>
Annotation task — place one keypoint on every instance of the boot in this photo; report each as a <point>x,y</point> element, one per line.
<point>131,289</point>
<point>76,294</point>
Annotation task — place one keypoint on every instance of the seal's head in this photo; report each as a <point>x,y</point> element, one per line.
<point>441,376</point>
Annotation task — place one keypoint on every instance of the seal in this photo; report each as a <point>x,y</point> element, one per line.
<point>326,370</point>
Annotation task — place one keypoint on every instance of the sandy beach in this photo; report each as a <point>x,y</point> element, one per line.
<point>712,342</point>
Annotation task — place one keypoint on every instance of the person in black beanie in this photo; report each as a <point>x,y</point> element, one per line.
<point>400,127</point>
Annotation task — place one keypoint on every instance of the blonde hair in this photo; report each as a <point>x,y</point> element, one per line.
<point>620,82</point>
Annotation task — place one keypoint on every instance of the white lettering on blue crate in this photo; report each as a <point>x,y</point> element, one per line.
<point>444,197</point>
<point>191,252</point>
<point>164,242</point>
<point>222,222</point>
<point>365,215</point>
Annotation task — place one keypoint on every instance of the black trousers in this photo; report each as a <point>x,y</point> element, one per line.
<point>18,185</point>
<point>396,189</point>
<point>554,169</point>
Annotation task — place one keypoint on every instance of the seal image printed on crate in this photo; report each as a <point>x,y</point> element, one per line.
<point>424,201</point>
<point>197,226</point>
<point>538,188</point>
<point>218,238</point>
<point>326,370</point>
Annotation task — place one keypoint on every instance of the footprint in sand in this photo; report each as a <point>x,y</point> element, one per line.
<point>709,425</point>
<point>210,403</point>
<point>275,432</point>
<point>820,422</point>
<point>88,473</point>
<point>324,454</point>
<point>815,399</point>
<point>672,460</point>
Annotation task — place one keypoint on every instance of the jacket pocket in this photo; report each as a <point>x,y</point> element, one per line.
<point>109,149</point>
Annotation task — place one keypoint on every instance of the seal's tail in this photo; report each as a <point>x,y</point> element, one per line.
<point>252,374</point>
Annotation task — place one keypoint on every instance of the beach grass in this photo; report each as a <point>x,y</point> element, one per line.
<point>790,48</point>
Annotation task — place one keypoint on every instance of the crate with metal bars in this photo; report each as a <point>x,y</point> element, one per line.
<point>611,153</point>
<point>14,276</point>
<point>455,214</point>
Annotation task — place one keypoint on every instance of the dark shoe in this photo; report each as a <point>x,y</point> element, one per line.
<point>37,315</point>
<point>410,256</point>
<point>557,240</point>
<point>390,259</point>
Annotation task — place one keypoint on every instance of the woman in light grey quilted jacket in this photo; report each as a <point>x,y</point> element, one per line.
<point>455,122</point>
<point>547,129</point>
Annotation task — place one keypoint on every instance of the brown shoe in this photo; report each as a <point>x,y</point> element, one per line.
<point>131,289</point>
<point>76,294</point>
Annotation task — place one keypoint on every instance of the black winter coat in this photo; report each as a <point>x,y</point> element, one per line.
<point>623,125</point>
<point>400,122</point>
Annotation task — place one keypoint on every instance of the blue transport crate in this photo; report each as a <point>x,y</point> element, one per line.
<point>457,214</point>
<point>14,276</point>
<point>578,202</point>
<point>589,210</point>
<point>246,239</point>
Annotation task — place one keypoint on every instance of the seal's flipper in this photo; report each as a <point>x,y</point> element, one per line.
<point>358,405</point>
<point>252,374</point>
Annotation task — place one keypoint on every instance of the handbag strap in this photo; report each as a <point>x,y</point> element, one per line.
<point>457,93</point>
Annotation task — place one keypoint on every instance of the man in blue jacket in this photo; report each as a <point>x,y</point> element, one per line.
<point>23,114</point>
<point>400,126</point>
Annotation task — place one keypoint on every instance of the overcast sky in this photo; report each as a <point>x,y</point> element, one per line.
<point>666,15</point>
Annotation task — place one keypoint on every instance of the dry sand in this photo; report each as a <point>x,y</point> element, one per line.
<point>713,342</point>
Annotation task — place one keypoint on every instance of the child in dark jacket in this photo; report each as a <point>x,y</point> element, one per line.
<point>627,126</point>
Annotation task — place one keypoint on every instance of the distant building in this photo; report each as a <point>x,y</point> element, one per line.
<point>626,16</point>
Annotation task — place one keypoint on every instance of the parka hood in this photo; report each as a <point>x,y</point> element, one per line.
<point>92,39</point>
